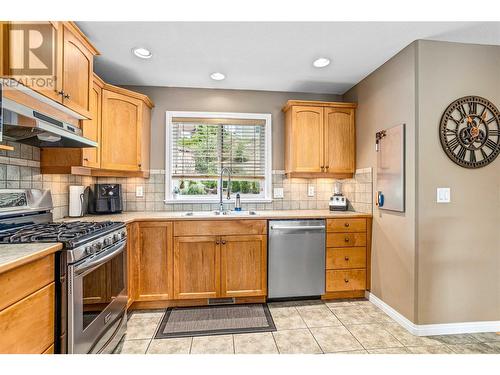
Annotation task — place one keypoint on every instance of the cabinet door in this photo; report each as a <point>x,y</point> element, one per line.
<point>243,266</point>
<point>120,132</point>
<point>306,137</point>
<point>340,154</point>
<point>154,277</point>
<point>78,70</point>
<point>196,267</point>
<point>13,61</point>
<point>92,129</point>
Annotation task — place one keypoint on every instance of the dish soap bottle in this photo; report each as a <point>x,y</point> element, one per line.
<point>237,203</point>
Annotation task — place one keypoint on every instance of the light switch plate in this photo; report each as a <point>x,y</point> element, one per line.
<point>443,195</point>
<point>278,193</point>
<point>310,190</point>
<point>139,191</point>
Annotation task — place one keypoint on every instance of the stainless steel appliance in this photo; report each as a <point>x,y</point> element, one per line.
<point>296,258</point>
<point>106,199</point>
<point>338,201</point>
<point>91,277</point>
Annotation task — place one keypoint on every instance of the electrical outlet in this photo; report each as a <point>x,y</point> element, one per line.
<point>139,191</point>
<point>443,195</point>
<point>310,190</point>
<point>278,193</point>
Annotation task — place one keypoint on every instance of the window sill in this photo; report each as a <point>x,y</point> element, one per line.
<point>216,201</point>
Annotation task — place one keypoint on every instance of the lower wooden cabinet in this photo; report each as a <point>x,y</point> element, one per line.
<point>345,280</point>
<point>27,313</point>
<point>243,266</point>
<point>196,267</point>
<point>154,261</point>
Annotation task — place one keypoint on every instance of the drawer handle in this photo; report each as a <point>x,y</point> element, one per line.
<point>346,280</point>
<point>346,225</point>
<point>346,239</point>
<point>346,258</point>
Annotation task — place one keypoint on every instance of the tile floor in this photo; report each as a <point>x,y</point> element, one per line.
<point>309,327</point>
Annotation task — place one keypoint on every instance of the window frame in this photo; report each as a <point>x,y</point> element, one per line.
<point>267,198</point>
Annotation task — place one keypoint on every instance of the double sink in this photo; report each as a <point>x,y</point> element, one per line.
<point>220,213</point>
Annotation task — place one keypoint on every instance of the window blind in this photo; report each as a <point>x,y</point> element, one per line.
<point>200,149</point>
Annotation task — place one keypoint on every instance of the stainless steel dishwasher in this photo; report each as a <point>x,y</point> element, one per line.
<point>296,258</point>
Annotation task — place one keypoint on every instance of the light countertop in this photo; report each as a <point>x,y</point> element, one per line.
<point>129,217</point>
<point>15,255</point>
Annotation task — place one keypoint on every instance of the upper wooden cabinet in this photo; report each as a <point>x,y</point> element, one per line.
<point>70,79</point>
<point>319,139</point>
<point>125,130</point>
<point>120,124</point>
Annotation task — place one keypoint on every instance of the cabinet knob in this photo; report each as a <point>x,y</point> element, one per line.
<point>223,242</point>
<point>346,225</point>
<point>327,167</point>
<point>139,165</point>
<point>86,159</point>
<point>346,258</point>
<point>346,239</point>
<point>346,280</point>
<point>66,96</point>
<point>217,242</point>
<point>60,92</point>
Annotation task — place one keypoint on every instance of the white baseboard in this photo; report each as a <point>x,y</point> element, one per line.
<point>433,329</point>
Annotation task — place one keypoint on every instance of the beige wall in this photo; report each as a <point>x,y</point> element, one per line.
<point>387,98</point>
<point>459,242</point>
<point>186,99</point>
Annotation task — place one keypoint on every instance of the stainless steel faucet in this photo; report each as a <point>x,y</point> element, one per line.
<point>228,171</point>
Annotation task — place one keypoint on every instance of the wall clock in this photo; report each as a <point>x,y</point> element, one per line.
<point>469,132</point>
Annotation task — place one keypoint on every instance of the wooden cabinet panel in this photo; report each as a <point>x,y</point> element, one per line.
<point>49,350</point>
<point>196,267</point>
<point>305,133</point>
<point>346,225</point>
<point>345,280</point>
<point>78,70</point>
<point>132,262</point>
<point>340,154</point>
<point>91,157</point>
<point>22,281</point>
<point>345,257</point>
<point>120,132</point>
<point>154,281</point>
<point>243,266</point>
<point>219,227</point>
<point>27,327</point>
<point>345,239</point>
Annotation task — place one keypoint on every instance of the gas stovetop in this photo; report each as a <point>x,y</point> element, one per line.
<point>71,234</point>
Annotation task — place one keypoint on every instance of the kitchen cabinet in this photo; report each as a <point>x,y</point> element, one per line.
<point>348,253</point>
<point>120,124</point>
<point>27,308</point>
<point>196,267</point>
<point>319,139</point>
<point>154,262</point>
<point>243,266</point>
<point>70,79</point>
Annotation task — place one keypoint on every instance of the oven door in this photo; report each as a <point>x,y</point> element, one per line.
<point>97,300</point>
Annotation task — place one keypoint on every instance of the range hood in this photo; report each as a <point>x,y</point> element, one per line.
<point>25,125</point>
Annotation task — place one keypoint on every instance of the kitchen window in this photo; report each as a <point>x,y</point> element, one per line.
<point>201,144</point>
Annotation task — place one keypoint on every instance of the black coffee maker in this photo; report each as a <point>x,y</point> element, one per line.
<point>105,199</point>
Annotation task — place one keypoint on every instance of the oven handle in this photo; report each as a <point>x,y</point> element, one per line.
<point>101,259</point>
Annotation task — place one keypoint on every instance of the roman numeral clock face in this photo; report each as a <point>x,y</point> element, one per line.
<point>469,132</point>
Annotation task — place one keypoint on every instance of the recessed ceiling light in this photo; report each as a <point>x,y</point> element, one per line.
<point>142,53</point>
<point>217,76</point>
<point>321,62</point>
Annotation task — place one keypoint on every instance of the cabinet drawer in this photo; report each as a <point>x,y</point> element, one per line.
<point>27,326</point>
<point>345,257</point>
<point>219,227</point>
<point>345,239</point>
<point>337,281</point>
<point>24,280</point>
<point>346,225</point>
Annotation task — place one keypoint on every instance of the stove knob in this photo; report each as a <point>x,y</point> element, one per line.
<point>116,237</point>
<point>88,250</point>
<point>108,241</point>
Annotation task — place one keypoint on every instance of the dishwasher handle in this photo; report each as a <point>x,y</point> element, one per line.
<point>290,227</point>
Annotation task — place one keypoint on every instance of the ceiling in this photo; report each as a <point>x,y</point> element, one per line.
<point>271,56</point>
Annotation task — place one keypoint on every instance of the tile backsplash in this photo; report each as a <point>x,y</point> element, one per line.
<point>20,168</point>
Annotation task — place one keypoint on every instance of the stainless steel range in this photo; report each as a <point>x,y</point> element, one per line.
<point>91,297</point>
